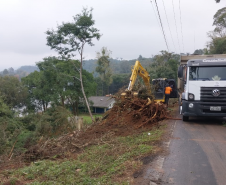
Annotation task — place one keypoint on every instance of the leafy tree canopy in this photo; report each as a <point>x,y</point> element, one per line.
<point>39,94</point>
<point>13,91</point>
<point>217,42</point>
<point>165,65</point>
<point>217,45</point>
<point>72,36</point>
<point>57,82</point>
<point>104,69</point>
<point>4,109</point>
<point>220,21</point>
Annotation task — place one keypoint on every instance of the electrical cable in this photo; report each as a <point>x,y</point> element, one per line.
<point>162,26</point>
<point>176,26</point>
<point>181,27</point>
<point>155,13</point>
<point>169,25</point>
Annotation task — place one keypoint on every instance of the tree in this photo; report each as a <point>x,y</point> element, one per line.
<point>198,52</point>
<point>62,81</point>
<point>119,81</point>
<point>56,83</point>
<point>39,95</point>
<point>125,66</point>
<point>70,38</point>
<point>13,91</point>
<point>4,109</point>
<point>140,57</point>
<point>5,72</point>
<point>217,43</point>
<point>164,66</point>
<point>220,22</point>
<point>103,68</point>
<point>11,71</point>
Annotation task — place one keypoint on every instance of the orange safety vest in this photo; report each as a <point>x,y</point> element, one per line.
<point>168,90</point>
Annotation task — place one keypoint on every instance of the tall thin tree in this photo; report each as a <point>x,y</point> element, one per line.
<point>72,37</point>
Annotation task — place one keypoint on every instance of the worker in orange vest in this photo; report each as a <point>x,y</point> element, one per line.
<point>168,90</point>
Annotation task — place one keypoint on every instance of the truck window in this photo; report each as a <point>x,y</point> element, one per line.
<point>207,73</point>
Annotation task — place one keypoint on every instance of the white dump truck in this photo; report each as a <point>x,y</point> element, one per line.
<point>202,86</point>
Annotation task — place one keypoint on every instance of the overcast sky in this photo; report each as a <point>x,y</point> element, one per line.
<point>130,27</point>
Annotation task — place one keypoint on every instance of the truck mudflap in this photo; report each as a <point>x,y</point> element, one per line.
<point>199,108</point>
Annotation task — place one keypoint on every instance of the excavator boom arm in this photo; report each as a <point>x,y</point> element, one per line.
<point>138,69</point>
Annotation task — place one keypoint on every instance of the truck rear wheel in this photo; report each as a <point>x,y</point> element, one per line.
<point>180,106</point>
<point>185,118</point>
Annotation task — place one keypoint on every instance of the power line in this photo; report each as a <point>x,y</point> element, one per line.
<point>155,13</point>
<point>181,27</point>
<point>169,25</point>
<point>176,26</point>
<point>162,26</point>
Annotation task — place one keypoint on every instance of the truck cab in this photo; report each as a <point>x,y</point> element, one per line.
<point>202,86</point>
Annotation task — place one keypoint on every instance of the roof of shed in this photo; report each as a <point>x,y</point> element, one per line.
<point>101,101</point>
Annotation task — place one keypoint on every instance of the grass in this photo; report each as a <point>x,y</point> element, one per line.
<point>112,162</point>
<point>87,118</point>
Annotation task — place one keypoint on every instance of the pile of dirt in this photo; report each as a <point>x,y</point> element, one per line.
<point>136,113</point>
<point>127,117</point>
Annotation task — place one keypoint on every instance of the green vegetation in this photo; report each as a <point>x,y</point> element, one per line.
<point>217,43</point>
<point>164,65</point>
<point>23,132</point>
<point>100,164</point>
<point>70,39</point>
<point>88,120</point>
<point>57,82</point>
<point>13,92</point>
<point>104,70</point>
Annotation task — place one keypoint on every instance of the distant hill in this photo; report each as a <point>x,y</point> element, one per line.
<point>20,72</point>
<point>117,66</point>
<point>28,69</point>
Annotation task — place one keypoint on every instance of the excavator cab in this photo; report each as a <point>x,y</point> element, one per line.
<point>158,89</point>
<point>173,85</point>
<point>159,85</point>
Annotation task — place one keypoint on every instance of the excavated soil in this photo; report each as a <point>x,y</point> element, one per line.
<point>136,113</point>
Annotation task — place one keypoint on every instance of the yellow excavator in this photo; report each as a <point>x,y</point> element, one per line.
<point>158,85</point>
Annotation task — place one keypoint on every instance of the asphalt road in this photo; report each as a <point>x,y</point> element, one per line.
<point>197,153</point>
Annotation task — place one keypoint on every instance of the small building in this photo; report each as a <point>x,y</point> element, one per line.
<point>101,104</point>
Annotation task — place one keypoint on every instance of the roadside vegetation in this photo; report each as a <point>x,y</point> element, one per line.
<point>88,120</point>
<point>112,162</point>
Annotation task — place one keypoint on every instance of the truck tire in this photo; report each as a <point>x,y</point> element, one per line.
<point>179,105</point>
<point>185,118</point>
